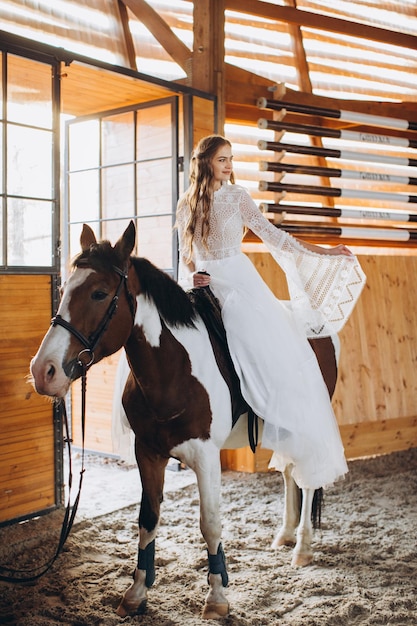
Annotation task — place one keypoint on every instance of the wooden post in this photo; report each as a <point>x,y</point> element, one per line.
<point>208,73</point>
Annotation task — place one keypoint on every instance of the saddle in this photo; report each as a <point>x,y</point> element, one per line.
<point>208,307</point>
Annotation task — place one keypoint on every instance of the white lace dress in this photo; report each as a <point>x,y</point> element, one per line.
<point>278,370</point>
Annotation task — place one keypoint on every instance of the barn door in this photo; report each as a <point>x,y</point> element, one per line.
<point>122,165</point>
<point>30,453</point>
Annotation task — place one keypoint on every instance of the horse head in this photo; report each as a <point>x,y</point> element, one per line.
<point>95,314</point>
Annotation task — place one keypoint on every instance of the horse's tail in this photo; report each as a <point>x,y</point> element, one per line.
<point>318,500</point>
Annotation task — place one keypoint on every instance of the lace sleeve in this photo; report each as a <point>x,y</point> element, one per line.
<point>254,219</point>
<point>324,288</point>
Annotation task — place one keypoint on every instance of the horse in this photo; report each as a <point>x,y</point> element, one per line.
<point>177,402</point>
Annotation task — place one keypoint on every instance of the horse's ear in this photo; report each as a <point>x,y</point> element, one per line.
<point>126,243</point>
<point>87,238</point>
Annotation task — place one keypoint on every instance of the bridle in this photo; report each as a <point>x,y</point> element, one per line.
<point>90,343</point>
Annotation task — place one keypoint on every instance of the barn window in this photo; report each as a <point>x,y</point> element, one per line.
<point>27,157</point>
<point>122,165</point>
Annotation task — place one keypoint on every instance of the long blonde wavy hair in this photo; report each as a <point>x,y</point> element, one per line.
<point>199,196</point>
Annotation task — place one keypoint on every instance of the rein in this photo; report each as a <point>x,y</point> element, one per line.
<point>28,576</point>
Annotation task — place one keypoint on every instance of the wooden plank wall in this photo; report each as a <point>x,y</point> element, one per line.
<point>99,398</point>
<point>376,395</point>
<point>27,466</point>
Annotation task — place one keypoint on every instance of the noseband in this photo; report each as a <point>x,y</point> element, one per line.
<point>91,342</point>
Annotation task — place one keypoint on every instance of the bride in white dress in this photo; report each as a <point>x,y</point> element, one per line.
<point>279,374</point>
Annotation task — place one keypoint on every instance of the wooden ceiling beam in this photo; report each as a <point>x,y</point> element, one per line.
<point>128,39</point>
<point>176,49</point>
<point>317,21</point>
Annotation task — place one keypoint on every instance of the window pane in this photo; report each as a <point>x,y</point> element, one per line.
<point>29,228</point>
<point>154,187</point>
<point>34,93</point>
<point>113,229</point>
<point>118,189</point>
<point>154,239</point>
<point>29,162</point>
<point>84,196</point>
<point>118,139</point>
<point>84,145</point>
<point>74,238</point>
<point>154,132</point>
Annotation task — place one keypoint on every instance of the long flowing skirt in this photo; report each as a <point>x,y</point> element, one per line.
<point>279,373</point>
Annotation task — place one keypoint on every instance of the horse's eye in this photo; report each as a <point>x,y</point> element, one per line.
<point>99,295</point>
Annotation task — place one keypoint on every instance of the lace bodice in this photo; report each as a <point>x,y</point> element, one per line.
<point>232,210</point>
<point>323,288</point>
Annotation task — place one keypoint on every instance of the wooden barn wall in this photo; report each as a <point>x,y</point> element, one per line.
<point>100,381</point>
<point>27,470</point>
<point>376,394</point>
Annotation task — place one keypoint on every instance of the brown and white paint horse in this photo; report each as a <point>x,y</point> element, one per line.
<point>176,400</point>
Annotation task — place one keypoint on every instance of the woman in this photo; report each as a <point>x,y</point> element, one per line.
<point>279,374</point>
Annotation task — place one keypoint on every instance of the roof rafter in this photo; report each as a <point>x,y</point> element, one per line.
<point>130,46</point>
<point>321,22</point>
<point>177,50</point>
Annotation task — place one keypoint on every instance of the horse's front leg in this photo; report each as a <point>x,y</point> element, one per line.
<point>152,473</point>
<point>206,464</point>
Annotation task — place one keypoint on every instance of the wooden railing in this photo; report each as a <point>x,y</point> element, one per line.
<point>373,200</point>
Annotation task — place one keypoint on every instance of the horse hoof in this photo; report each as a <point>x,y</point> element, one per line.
<point>215,610</point>
<point>123,610</point>
<point>301,560</point>
<point>281,542</point>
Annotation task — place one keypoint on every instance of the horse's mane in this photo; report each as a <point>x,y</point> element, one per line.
<point>172,302</point>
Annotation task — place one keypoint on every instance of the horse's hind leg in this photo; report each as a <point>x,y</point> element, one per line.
<point>206,465</point>
<point>303,554</point>
<point>152,472</point>
<point>296,529</point>
<point>286,536</point>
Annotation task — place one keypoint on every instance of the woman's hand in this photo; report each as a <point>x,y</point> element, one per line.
<point>340,249</point>
<point>201,279</point>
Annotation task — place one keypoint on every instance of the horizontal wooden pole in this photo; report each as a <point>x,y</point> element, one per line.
<point>335,192</point>
<point>345,212</point>
<point>333,172</point>
<point>349,155</point>
<point>350,116</point>
<point>348,135</point>
<point>383,234</point>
